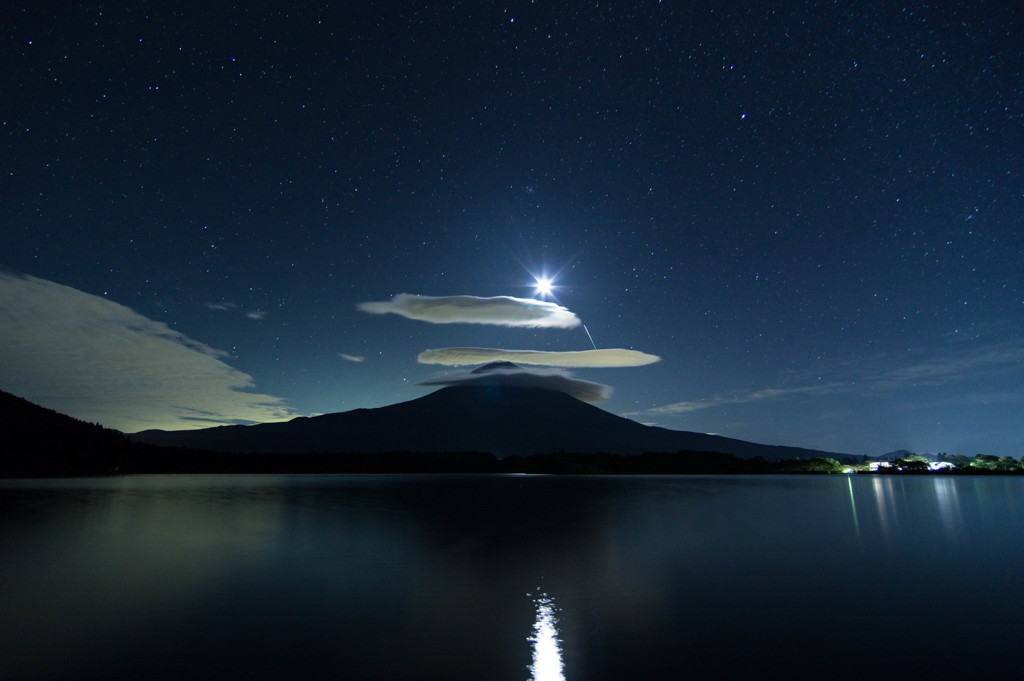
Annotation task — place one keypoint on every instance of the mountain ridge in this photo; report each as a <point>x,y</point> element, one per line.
<point>502,420</point>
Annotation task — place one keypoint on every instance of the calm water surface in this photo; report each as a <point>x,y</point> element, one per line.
<point>367,577</point>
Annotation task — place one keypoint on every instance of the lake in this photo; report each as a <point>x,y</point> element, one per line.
<point>512,577</point>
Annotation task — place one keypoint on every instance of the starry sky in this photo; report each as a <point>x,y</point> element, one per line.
<point>811,212</point>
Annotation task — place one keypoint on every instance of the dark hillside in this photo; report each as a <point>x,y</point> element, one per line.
<point>35,440</point>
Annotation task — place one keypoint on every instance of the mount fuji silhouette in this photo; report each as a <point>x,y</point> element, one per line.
<point>500,419</point>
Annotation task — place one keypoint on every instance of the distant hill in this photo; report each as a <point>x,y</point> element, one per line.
<point>505,421</point>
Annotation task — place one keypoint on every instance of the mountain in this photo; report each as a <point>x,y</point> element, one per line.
<point>895,454</point>
<point>502,420</point>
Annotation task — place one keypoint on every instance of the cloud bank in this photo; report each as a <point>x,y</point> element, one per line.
<point>511,375</point>
<point>99,361</point>
<point>499,310</point>
<point>609,357</point>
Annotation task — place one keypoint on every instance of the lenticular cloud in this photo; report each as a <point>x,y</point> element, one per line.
<point>507,374</point>
<point>498,310</point>
<point>608,357</point>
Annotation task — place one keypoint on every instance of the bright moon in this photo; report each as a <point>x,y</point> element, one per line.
<point>544,286</point>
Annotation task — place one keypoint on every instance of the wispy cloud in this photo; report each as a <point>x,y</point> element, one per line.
<point>351,358</point>
<point>608,357</point>
<point>100,361</point>
<point>744,398</point>
<point>498,310</point>
<point>970,363</point>
<point>506,374</point>
<point>951,369</point>
<point>225,306</point>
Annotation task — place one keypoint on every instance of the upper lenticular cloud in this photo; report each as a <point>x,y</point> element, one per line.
<point>498,310</point>
<point>608,357</point>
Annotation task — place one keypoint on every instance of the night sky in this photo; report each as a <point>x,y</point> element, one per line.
<point>811,212</point>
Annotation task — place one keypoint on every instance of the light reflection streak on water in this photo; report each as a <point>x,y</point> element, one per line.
<point>853,506</point>
<point>891,494</point>
<point>949,506</point>
<point>547,653</point>
<point>884,502</point>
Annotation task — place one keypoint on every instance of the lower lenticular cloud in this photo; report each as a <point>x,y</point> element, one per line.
<point>609,357</point>
<point>506,374</point>
<point>100,361</point>
<point>499,310</point>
